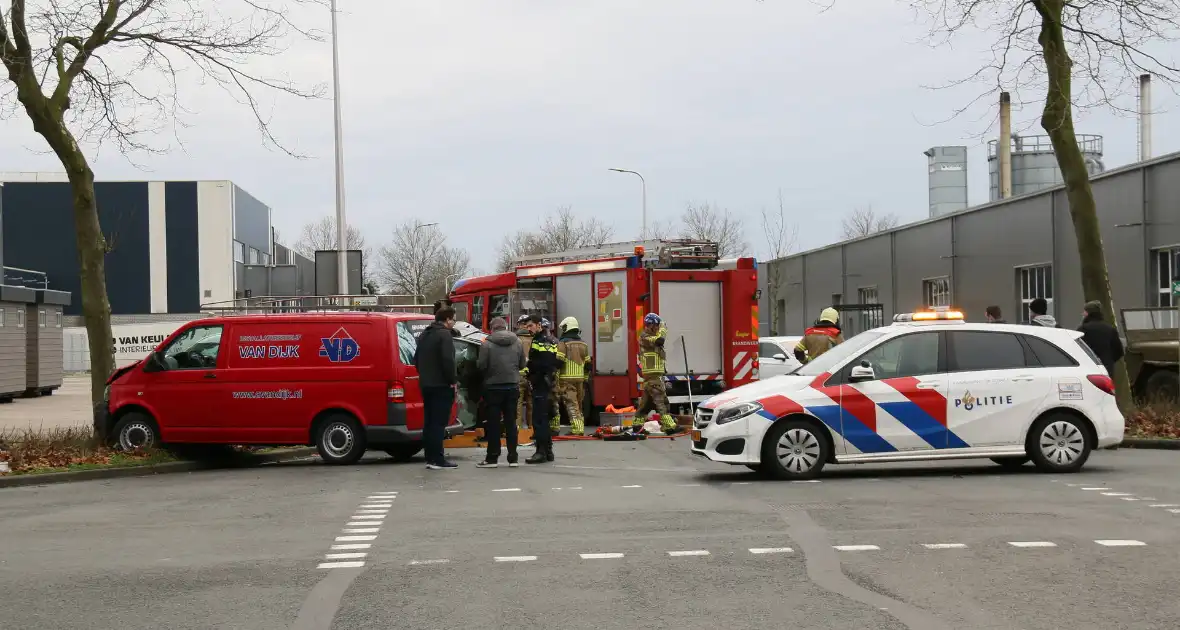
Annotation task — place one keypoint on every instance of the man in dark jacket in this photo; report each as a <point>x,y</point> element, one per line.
<point>501,359</point>
<point>542,366</point>
<point>435,360</point>
<point>994,316</point>
<point>1101,336</point>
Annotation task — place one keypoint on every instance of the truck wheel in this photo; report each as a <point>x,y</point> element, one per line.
<point>793,450</point>
<point>403,452</point>
<point>136,431</point>
<point>1057,443</point>
<point>1163,386</point>
<point>340,439</point>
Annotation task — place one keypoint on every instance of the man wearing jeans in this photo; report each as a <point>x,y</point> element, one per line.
<point>501,359</point>
<point>435,360</point>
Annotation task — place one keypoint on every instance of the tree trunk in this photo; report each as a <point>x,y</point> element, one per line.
<point>1057,120</point>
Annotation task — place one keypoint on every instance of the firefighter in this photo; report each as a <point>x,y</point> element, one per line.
<point>575,357</point>
<point>821,337</point>
<point>524,406</point>
<point>555,419</point>
<point>652,360</point>
<point>542,367</point>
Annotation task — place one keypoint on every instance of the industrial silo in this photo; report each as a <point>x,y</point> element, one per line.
<point>1034,165</point>
<point>948,179</point>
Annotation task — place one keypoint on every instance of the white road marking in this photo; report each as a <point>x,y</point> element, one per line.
<point>361,530</point>
<point>363,523</point>
<point>765,550</point>
<point>1174,511</point>
<point>1165,505</point>
<point>1130,498</point>
<point>856,548</point>
<point>600,556</point>
<point>340,565</point>
<point>555,488</point>
<point>352,546</point>
<point>944,545</point>
<point>452,491</point>
<point>1148,499</point>
<point>382,497</point>
<point>1073,485</point>
<point>576,488</point>
<point>515,558</point>
<point>816,481</point>
<point>1037,543</point>
<point>1116,494</point>
<point>1121,543</point>
<point>506,490</point>
<point>741,483</point>
<point>375,506</point>
<point>344,556</point>
<point>694,552</point>
<point>632,486</point>
<point>436,561</point>
<point>1095,488</point>
<point>688,485</point>
<point>354,538</point>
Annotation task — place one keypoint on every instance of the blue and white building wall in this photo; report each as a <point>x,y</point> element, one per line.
<point>175,245</point>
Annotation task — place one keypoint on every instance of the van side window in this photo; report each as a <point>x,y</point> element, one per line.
<point>195,349</point>
<point>407,339</point>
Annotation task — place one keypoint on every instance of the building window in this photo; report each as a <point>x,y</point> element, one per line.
<point>837,299</point>
<point>253,256</point>
<point>1,318</point>
<point>239,252</point>
<point>1032,283</point>
<point>1167,270</point>
<point>57,319</point>
<point>264,259</point>
<point>937,292</point>
<point>870,318</point>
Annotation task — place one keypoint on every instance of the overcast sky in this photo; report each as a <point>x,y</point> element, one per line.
<point>486,115</point>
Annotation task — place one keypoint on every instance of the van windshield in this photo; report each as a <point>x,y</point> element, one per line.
<point>407,338</point>
<point>826,361</point>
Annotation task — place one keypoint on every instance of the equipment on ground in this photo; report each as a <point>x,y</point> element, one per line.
<point>1152,352</point>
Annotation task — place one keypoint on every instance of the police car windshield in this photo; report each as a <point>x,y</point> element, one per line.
<point>826,361</point>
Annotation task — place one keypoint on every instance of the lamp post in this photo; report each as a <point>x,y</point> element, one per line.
<point>643,183</point>
<point>341,225</point>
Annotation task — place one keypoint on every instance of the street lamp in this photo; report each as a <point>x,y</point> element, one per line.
<point>643,182</point>
<point>422,225</point>
<point>341,225</point>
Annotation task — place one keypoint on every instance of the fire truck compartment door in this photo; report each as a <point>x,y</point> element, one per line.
<point>692,310</point>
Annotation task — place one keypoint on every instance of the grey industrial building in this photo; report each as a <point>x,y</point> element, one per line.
<point>174,245</point>
<point>1005,253</point>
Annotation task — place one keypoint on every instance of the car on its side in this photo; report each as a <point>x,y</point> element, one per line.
<point>344,382</point>
<point>928,387</point>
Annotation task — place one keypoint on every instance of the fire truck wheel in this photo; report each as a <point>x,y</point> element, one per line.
<point>794,450</point>
<point>340,439</point>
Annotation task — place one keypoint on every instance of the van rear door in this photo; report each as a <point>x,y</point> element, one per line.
<point>408,406</point>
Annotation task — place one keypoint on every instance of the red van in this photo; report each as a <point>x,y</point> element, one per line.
<point>344,382</point>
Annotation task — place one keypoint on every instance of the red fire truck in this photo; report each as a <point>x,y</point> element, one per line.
<point>710,307</point>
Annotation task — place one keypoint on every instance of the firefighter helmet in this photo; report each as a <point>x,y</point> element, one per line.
<point>568,323</point>
<point>651,319</point>
<point>830,315</point>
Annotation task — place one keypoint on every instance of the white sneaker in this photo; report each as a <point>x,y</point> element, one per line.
<point>487,464</point>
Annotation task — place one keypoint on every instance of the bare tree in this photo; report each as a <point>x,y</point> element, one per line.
<point>781,239</point>
<point>321,235</point>
<point>418,261</point>
<point>866,222</point>
<point>707,222</point>
<point>85,71</point>
<point>1079,54</point>
<point>560,231</point>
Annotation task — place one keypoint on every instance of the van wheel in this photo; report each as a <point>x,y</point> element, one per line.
<point>136,431</point>
<point>403,452</point>
<point>1058,444</point>
<point>340,440</point>
<point>793,450</point>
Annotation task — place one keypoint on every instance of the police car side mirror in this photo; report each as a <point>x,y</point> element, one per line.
<point>861,373</point>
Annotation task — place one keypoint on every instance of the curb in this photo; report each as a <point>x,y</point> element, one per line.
<point>244,461</point>
<point>1164,444</point>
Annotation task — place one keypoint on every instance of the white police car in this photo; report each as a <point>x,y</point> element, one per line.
<point>928,387</point>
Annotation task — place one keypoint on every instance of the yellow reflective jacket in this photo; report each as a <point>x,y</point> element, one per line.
<point>575,357</point>
<point>652,358</point>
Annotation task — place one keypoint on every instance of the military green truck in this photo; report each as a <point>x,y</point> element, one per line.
<point>1152,341</point>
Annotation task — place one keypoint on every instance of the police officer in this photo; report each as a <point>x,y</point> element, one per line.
<point>542,367</point>
<point>574,355</point>
<point>652,362</point>
<point>555,418</point>
<point>524,405</point>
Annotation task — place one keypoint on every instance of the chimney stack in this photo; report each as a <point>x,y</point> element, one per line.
<point>1144,117</point>
<point>1004,150</point>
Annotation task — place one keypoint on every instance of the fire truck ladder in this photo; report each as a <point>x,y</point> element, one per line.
<point>663,253</point>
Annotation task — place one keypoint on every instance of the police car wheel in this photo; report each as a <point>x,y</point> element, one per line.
<point>794,450</point>
<point>136,432</point>
<point>1058,443</point>
<point>1011,463</point>
<point>340,440</point>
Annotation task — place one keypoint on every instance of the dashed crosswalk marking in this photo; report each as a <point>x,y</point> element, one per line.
<point>506,490</point>
<point>1116,494</point>
<point>768,550</point>
<point>354,538</point>
<point>600,556</point>
<point>856,548</point>
<point>944,545</point>
<point>515,558</point>
<point>434,561</point>
<point>1033,543</point>
<point>351,546</point>
<point>1121,543</point>
<point>344,556</point>
<point>361,530</point>
<point>1095,488</point>
<point>693,552</point>
<point>341,565</point>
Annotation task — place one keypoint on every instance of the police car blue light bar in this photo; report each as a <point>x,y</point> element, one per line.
<point>929,316</point>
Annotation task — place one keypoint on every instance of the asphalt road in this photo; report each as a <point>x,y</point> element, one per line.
<point>614,536</point>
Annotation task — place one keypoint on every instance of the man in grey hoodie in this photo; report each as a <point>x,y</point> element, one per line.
<point>1038,310</point>
<point>501,358</point>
